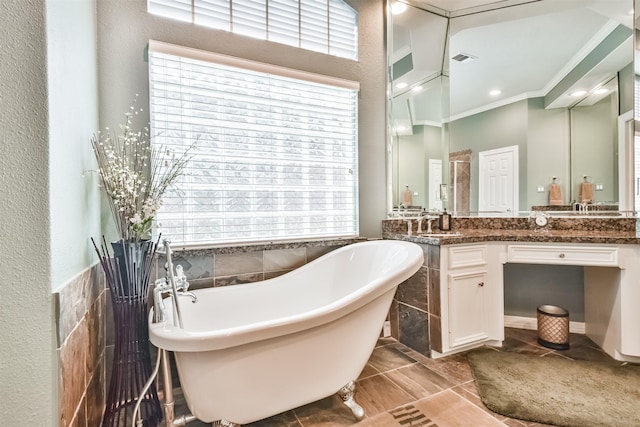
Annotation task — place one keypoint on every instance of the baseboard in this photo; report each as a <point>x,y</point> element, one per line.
<point>531,323</point>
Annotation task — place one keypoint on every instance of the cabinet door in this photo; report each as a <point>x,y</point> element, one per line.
<point>467,308</point>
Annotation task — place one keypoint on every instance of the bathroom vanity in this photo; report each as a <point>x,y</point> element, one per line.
<point>465,281</point>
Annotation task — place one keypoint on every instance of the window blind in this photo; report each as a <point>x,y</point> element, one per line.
<point>327,26</point>
<point>275,156</point>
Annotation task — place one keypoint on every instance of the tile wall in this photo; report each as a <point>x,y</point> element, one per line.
<point>81,319</point>
<point>415,311</point>
<point>206,269</point>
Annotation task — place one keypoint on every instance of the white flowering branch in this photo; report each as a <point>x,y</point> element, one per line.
<point>135,176</point>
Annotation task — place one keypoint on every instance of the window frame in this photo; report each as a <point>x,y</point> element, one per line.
<point>166,48</point>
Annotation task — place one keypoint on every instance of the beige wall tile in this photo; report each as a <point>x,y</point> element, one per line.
<point>314,252</point>
<point>238,263</point>
<point>284,259</point>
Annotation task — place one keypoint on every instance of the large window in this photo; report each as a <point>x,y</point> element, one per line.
<point>276,149</point>
<point>327,26</point>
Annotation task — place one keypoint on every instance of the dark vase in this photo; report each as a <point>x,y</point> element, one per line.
<point>127,274</point>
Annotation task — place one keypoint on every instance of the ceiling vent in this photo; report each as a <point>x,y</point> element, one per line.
<point>464,57</point>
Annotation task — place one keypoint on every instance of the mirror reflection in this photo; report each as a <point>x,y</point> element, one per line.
<point>511,104</point>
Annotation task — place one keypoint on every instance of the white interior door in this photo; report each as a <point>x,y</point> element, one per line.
<point>498,180</point>
<point>435,180</point>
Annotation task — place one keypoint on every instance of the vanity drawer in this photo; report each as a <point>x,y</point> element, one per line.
<point>467,256</point>
<point>564,255</point>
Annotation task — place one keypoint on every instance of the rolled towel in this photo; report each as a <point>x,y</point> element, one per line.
<point>586,192</point>
<point>407,197</point>
<point>555,195</point>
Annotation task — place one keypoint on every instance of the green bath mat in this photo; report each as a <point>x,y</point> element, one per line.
<point>554,390</point>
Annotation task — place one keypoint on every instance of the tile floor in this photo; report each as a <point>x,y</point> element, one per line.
<point>400,387</point>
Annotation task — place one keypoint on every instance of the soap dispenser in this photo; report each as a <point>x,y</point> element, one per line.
<point>444,221</point>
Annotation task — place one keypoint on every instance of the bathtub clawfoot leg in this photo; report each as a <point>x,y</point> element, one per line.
<point>224,423</point>
<point>346,393</point>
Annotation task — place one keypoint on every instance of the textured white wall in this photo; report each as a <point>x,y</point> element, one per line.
<point>125,28</point>
<point>48,88</point>
<point>73,117</point>
<point>27,367</point>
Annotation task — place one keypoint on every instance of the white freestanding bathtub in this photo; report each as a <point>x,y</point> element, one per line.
<point>251,351</point>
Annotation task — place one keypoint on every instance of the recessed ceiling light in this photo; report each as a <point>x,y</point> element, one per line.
<point>495,92</point>
<point>401,85</point>
<point>397,8</point>
<point>601,91</point>
<point>416,88</point>
<point>578,93</point>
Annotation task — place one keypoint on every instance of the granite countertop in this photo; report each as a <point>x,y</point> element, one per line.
<point>262,246</point>
<point>535,235</point>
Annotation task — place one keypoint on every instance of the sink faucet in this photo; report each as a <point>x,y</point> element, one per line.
<point>428,219</point>
<point>582,207</point>
<point>585,207</point>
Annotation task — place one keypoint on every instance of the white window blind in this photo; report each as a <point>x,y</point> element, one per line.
<point>275,158</point>
<point>327,26</point>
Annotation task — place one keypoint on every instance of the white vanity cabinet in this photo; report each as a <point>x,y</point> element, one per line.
<point>468,307</point>
<point>471,296</point>
<point>472,292</point>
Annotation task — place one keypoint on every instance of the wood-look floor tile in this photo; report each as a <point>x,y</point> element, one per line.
<point>389,357</point>
<point>448,409</point>
<point>286,419</point>
<point>454,368</point>
<point>401,387</point>
<point>470,392</point>
<point>516,346</point>
<point>418,380</point>
<point>419,357</point>
<point>528,336</point>
<point>584,351</point>
<point>328,412</point>
<point>385,341</point>
<point>368,371</point>
<point>377,394</point>
<point>403,416</point>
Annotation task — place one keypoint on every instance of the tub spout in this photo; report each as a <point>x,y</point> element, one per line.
<point>347,393</point>
<point>194,297</point>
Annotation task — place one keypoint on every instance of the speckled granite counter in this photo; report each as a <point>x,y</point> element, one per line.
<point>559,230</point>
<point>488,235</point>
<point>263,246</point>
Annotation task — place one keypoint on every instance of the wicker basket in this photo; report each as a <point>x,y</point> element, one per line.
<point>553,327</point>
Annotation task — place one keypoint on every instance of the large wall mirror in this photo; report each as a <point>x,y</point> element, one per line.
<point>491,102</point>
